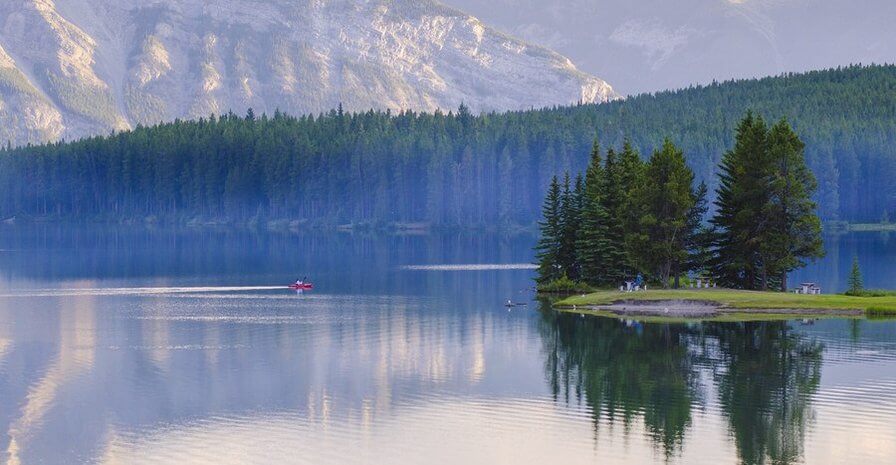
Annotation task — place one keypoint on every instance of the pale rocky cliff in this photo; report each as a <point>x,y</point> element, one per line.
<point>70,68</point>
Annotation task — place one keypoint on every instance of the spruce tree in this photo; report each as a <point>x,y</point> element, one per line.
<point>624,177</point>
<point>578,195</point>
<point>855,278</point>
<point>593,241</point>
<point>569,229</point>
<point>741,200</point>
<point>699,235</point>
<point>661,240</point>
<point>548,247</point>
<point>793,232</point>
<point>613,198</point>
<point>765,217</point>
<point>632,178</point>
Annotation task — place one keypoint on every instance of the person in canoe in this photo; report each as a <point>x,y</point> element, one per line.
<point>301,282</point>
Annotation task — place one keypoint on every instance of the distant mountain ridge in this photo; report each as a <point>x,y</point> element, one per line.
<point>71,68</point>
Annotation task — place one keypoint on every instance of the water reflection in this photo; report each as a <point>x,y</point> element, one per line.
<point>766,375</point>
<point>172,347</point>
<point>760,376</point>
<point>876,252</point>
<point>158,377</point>
<point>623,372</point>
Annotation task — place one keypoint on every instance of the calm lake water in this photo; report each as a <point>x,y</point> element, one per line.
<point>179,347</point>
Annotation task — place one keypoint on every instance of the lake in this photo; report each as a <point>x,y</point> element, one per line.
<point>161,346</point>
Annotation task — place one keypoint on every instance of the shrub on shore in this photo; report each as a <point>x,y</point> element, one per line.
<point>871,293</point>
<point>563,285</point>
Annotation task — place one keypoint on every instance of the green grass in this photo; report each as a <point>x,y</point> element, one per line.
<point>872,293</point>
<point>727,317</point>
<point>736,299</point>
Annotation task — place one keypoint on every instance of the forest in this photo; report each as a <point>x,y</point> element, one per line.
<point>626,217</point>
<point>452,168</point>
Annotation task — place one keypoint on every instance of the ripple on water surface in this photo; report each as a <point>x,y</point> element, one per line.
<point>258,375</point>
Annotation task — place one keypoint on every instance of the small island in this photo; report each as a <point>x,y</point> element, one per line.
<point>628,225</point>
<point>726,305</point>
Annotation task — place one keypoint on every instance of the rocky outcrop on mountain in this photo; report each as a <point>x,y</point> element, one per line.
<point>70,68</point>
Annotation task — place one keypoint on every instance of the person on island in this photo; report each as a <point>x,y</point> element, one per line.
<point>639,281</point>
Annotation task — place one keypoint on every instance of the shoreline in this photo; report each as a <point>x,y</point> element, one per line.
<point>724,304</point>
<point>708,311</point>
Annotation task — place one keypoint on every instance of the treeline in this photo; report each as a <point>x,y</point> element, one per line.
<point>449,168</point>
<point>626,217</point>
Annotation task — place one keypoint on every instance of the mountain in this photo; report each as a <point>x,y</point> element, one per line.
<point>651,45</point>
<point>70,68</point>
<point>452,169</point>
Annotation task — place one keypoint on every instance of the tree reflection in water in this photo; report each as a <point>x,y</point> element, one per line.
<point>766,375</point>
<point>763,373</point>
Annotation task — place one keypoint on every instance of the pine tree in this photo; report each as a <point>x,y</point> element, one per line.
<point>699,235</point>
<point>855,278</point>
<point>625,176</point>
<point>766,220</point>
<point>569,228</point>
<point>741,199</point>
<point>793,231</point>
<point>593,241</point>
<point>548,247</point>
<point>666,200</point>
<point>613,196</point>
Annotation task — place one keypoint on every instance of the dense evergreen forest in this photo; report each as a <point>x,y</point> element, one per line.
<point>454,168</point>
<point>626,217</point>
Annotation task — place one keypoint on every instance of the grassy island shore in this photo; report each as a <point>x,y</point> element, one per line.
<point>726,304</point>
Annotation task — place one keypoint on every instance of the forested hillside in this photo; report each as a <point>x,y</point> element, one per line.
<point>449,168</point>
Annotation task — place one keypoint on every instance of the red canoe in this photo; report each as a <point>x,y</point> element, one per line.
<point>303,287</point>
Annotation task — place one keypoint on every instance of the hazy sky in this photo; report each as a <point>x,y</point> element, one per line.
<point>649,45</point>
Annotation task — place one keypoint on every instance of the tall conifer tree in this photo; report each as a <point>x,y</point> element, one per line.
<point>551,227</point>
<point>660,241</point>
<point>624,176</point>
<point>569,229</point>
<point>699,235</point>
<point>742,196</point>
<point>793,234</point>
<point>613,198</point>
<point>766,220</point>
<point>593,241</point>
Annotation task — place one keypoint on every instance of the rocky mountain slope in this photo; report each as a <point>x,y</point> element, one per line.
<point>654,45</point>
<point>70,68</point>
